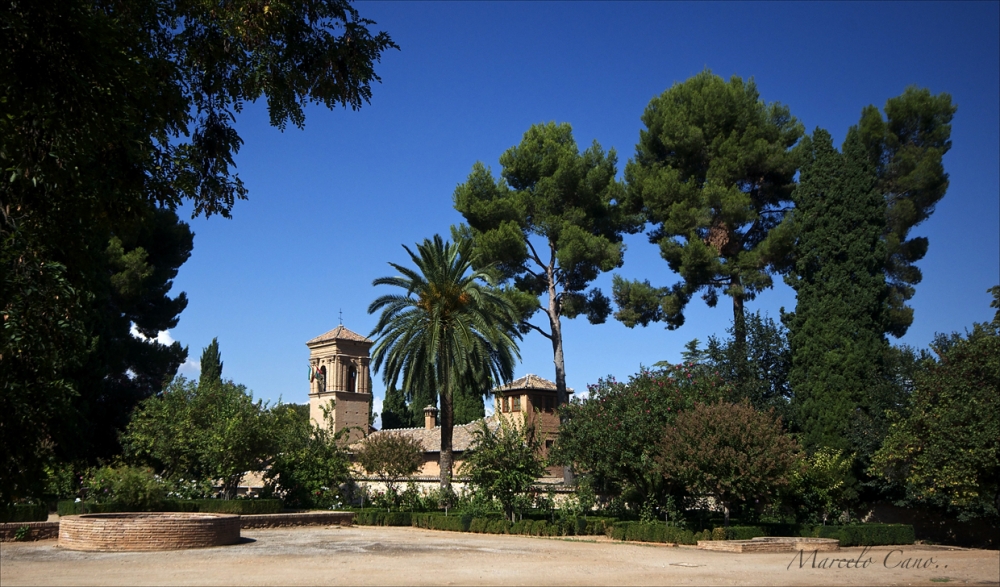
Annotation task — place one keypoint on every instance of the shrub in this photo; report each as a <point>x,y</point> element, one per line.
<point>867,534</point>
<point>731,452</point>
<point>390,457</point>
<point>218,506</point>
<point>740,533</point>
<point>134,487</point>
<point>380,518</point>
<point>24,513</point>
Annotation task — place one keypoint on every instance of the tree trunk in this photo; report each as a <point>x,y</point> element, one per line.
<point>725,508</point>
<point>740,339</point>
<point>555,324</point>
<point>447,419</point>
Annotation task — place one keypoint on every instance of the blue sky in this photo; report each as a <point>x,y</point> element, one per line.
<point>330,205</point>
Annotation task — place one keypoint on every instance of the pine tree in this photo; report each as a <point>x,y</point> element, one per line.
<point>211,364</point>
<point>836,333</point>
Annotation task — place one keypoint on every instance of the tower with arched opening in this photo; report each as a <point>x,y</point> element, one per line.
<point>339,372</point>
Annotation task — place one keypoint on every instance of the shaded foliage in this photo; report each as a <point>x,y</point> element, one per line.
<point>611,437</point>
<point>946,454</point>
<point>836,333</point>
<point>730,452</point>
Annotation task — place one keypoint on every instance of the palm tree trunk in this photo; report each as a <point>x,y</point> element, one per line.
<point>447,419</point>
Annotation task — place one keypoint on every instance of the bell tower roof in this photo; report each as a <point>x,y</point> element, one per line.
<point>340,333</point>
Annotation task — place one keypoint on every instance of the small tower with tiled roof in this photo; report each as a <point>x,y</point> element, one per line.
<point>338,362</point>
<point>531,400</point>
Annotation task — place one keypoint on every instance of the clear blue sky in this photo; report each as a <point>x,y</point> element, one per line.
<point>330,205</point>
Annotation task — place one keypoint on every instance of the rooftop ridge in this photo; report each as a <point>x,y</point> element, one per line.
<point>340,333</point>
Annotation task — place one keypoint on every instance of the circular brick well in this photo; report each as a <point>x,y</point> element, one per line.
<point>147,531</point>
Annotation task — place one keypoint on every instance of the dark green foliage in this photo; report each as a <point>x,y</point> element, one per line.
<point>311,464</point>
<point>760,372</point>
<point>116,113</point>
<point>469,406</point>
<point>611,437</point>
<point>567,201</point>
<point>211,364</point>
<point>503,462</point>
<point>216,432</point>
<point>219,506</point>
<point>24,513</point>
<point>138,488</point>
<point>395,412</point>
<point>906,149</point>
<point>866,534</point>
<point>43,338</point>
<point>730,452</point>
<point>946,454</point>
<point>836,333</point>
<point>372,517</point>
<point>651,532</point>
<point>713,172</point>
<point>453,522</point>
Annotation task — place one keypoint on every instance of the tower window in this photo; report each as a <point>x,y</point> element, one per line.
<point>515,403</point>
<point>352,379</point>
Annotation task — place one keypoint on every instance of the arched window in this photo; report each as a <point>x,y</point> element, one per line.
<point>352,379</point>
<point>321,384</point>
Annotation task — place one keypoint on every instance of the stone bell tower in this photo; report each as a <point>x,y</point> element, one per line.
<point>339,372</point>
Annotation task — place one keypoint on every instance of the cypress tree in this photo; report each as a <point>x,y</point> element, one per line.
<point>836,333</point>
<point>211,364</point>
<point>395,413</point>
<point>469,406</point>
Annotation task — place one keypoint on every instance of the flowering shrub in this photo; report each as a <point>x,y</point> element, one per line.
<point>611,436</point>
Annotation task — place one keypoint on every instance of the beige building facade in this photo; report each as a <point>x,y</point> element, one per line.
<point>339,371</point>
<point>529,400</point>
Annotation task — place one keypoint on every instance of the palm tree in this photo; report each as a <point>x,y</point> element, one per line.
<point>450,328</point>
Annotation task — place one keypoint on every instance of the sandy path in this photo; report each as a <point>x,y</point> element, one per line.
<point>386,556</point>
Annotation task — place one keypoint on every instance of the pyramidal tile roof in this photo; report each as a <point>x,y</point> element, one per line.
<point>340,333</point>
<point>530,381</point>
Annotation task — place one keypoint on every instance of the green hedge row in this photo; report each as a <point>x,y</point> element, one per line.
<point>380,518</point>
<point>867,534</point>
<point>653,532</point>
<point>24,513</point>
<point>218,506</point>
<point>861,535</point>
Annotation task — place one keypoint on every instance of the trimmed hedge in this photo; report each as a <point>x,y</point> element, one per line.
<point>858,535</point>
<point>867,534</point>
<point>24,513</point>
<point>434,521</point>
<point>380,518</point>
<point>216,506</point>
<point>651,532</point>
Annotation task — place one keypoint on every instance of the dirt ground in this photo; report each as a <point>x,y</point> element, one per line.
<point>366,555</point>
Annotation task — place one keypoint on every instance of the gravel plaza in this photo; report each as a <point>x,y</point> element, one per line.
<point>371,555</point>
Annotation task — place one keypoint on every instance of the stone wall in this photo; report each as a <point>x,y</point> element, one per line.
<point>147,531</point>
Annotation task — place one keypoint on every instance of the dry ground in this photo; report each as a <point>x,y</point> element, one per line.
<point>385,556</point>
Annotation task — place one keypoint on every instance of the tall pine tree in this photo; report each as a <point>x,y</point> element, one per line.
<point>836,333</point>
